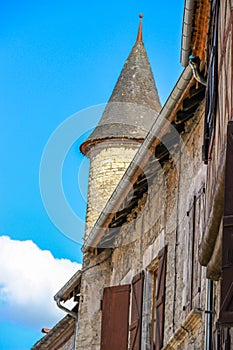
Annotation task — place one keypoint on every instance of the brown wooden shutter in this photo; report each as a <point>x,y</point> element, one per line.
<point>226,303</point>
<point>192,277</point>
<point>225,339</point>
<point>115,318</point>
<point>221,338</point>
<point>136,311</point>
<point>212,84</point>
<point>190,237</point>
<point>160,298</point>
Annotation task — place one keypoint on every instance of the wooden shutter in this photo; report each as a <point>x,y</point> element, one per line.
<point>199,202</point>
<point>226,339</point>
<point>212,84</point>
<point>221,338</point>
<point>217,338</point>
<point>136,311</point>
<point>160,298</point>
<point>226,301</point>
<point>189,261</point>
<point>115,316</point>
<point>192,268</point>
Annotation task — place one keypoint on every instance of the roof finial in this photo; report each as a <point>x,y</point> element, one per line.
<point>139,37</point>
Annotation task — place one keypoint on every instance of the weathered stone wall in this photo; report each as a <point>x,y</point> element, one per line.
<point>108,163</point>
<point>190,182</point>
<point>163,220</point>
<point>96,275</point>
<point>160,219</point>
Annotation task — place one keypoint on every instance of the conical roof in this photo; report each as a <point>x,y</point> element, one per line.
<point>134,103</point>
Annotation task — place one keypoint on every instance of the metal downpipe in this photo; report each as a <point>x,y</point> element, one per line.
<point>209,315</point>
<point>72,314</point>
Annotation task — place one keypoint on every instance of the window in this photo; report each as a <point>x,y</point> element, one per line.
<point>153,309</point>
<point>212,85</point>
<point>192,268</point>
<point>136,311</point>
<point>120,301</point>
<point>116,332</point>
<point>221,338</point>
<point>157,285</point>
<point>226,300</point>
<point>115,315</point>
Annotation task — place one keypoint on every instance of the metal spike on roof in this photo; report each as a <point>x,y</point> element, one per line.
<point>139,36</point>
<point>134,103</point>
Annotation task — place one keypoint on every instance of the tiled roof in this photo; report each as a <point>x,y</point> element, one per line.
<point>58,335</point>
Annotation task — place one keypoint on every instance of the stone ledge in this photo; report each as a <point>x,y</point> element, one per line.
<point>190,323</point>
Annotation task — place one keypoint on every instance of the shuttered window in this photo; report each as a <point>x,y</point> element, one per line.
<point>136,311</point>
<point>192,268</point>
<point>115,316</point>
<point>217,339</point>
<point>221,338</point>
<point>153,316</point>
<point>226,302</point>
<point>190,242</point>
<point>117,302</point>
<point>158,301</point>
<point>225,339</point>
<point>212,84</point>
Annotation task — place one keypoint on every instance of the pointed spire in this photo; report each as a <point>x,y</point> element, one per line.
<point>139,36</point>
<point>134,103</point>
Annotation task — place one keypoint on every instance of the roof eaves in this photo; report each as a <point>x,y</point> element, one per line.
<point>65,293</point>
<point>66,325</point>
<point>124,187</point>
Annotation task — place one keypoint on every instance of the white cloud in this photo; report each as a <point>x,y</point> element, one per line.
<point>29,278</point>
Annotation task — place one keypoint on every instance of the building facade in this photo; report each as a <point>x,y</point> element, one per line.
<point>157,258</point>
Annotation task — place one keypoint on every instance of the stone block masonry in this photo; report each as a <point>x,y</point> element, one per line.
<point>108,164</point>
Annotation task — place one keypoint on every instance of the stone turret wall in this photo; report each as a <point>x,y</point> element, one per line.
<point>108,163</point>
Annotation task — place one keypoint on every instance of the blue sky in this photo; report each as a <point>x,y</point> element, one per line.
<point>57,59</point>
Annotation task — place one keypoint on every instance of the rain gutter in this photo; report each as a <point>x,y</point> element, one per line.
<point>141,156</point>
<point>62,307</point>
<point>186,32</point>
<point>72,314</point>
<point>64,294</point>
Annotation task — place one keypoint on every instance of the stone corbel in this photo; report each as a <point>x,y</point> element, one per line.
<point>187,327</point>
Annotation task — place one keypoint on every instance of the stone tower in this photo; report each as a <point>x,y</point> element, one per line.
<point>128,116</point>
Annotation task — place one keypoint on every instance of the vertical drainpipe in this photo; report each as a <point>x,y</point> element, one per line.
<point>75,333</point>
<point>176,243</point>
<point>72,314</point>
<point>209,315</point>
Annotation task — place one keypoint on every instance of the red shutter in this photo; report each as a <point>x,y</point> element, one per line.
<point>226,304</point>
<point>115,318</point>
<point>160,298</point>
<point>136,312</point>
